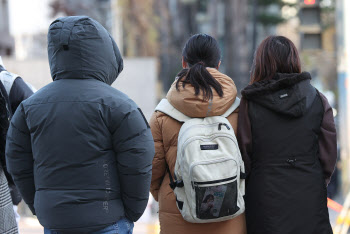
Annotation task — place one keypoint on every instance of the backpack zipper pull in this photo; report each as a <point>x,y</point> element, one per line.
<point>228,128</point>
<point>220,124</point>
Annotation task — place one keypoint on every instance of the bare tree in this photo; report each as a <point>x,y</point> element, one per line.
<point>139,28</point>
<point>177,24</point>
<point>213,14</point>
<point>160,28</point>
<point>236,51</point>
<point>97,9</point>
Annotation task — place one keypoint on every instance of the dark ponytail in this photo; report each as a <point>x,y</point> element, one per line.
<point>200,51</point>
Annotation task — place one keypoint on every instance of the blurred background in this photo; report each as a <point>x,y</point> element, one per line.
<point>151,34</point>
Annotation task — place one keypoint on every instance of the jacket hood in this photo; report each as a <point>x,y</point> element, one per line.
<point>290,94</point>
<point>81,48</point>
<point>194,106</point>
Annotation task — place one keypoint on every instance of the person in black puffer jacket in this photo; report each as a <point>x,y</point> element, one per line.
<point>79,150</point>
<point>287,138</point>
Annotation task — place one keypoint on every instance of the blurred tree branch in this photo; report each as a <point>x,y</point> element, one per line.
<point>160,28</point>
<point>97,9</point>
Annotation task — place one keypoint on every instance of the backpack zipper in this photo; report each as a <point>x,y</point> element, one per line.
<point>206,126</point>
<point>217,160</point>
<point>215,181</point>
<point>209,138</point>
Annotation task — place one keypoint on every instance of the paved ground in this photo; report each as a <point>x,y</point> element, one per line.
<point>333,215</point>
<point>148,224</point>
<point>32,226</point>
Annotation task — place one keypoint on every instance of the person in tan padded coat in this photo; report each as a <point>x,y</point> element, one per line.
<point>200,90</point>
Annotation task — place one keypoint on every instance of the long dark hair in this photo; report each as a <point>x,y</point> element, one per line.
<point>276,54</point>
<point>200,51</point>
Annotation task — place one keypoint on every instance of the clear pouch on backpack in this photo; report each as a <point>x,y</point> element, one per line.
<point>216,201</point>
<point>215,187</point>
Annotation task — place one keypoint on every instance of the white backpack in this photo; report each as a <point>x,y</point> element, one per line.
<point>209,171</point>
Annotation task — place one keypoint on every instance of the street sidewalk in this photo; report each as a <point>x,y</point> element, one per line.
<point>32,226</point>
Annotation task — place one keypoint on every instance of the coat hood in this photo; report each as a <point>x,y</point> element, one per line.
<point>289,94</point>
<point>193,106</point>
<point>81,48</point>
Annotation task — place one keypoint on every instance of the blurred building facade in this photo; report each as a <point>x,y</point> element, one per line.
<point>31,46</point>
<point>343,42</point>
<point>34,45</point>
<point>6,41</point>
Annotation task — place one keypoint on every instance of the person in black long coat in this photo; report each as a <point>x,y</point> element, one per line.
<point>287,137</point>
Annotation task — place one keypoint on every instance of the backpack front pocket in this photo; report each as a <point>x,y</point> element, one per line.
<point>215,188</point>
<point>216,201</point>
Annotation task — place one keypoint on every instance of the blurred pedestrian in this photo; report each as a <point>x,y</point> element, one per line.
<point>7,215</point>
<point>199,91</point>
<point>15,90</point>
<point>79,150</point>
<point>287,139</point>
<point>8,222</point>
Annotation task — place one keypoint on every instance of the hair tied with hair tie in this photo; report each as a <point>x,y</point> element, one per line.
<point>201,63</point>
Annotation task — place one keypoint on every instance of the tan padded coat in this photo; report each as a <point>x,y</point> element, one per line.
<point>165,132</point>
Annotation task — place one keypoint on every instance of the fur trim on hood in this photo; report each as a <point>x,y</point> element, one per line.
<point>280,81</point>
<point>288,94</point>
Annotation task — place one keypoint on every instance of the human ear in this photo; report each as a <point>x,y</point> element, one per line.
<point>218,65</point>
<point>184,63</point>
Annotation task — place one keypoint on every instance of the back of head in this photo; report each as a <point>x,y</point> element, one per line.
<point>276,54</point>
<point>275,77</point>
<point>81,48</point>
<point>201,51</point>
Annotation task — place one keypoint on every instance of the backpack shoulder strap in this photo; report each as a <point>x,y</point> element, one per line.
<point>165,107</point>
<point>7,79</point>
<point>234,106</point>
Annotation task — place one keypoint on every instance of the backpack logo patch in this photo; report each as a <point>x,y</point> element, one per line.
<point>210,147</point>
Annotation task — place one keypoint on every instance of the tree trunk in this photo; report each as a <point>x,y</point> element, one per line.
<point>162,10</point>
<point>213,14</point>
<point>236,61</point>
<point>177,24</point>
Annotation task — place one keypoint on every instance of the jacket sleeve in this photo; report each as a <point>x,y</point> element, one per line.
<point>244,134</point>
<point>233,119</point>
<point>327,141</point>
<point>19,91</point>
<point>159,164</point>
<point>19,157</point>
<point>134,147</point>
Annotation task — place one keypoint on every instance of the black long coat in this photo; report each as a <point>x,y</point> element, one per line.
<point>284,126</point>
<point>79,150</point>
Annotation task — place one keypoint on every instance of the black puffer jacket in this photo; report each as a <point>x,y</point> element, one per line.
<point>287,138</point>
<point>79,150</point>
